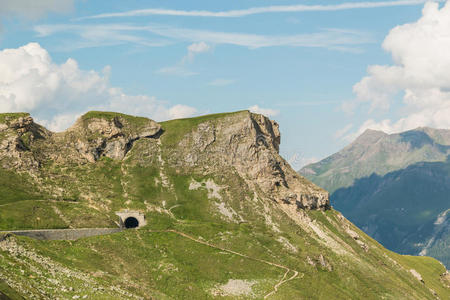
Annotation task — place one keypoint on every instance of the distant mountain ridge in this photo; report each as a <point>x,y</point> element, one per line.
<point>396,187</point>
<point>379,153</point>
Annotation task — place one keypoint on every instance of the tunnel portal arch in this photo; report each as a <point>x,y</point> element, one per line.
<point>131,222</point>
<point>131,219</point>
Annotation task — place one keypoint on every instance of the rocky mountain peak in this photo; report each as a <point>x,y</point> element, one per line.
<point>370,136</point>
<point>440,136</point>
<point>110,124</point>
<point>18,133</point>
<point>244,143</point>
<point>20,123</point>
<point>249,144</point>
<point>109,134</point>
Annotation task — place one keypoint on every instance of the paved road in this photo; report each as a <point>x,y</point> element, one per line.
<point>4,297</point>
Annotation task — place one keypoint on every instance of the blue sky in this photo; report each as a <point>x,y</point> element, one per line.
<point>165,59</point>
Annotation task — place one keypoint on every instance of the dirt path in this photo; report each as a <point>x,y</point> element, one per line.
<point>275,288</point>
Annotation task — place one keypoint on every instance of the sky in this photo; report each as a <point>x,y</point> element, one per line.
<point>324,70</point>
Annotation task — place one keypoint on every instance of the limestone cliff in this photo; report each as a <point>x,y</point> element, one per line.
<point>249,143</point>
<point>245,142</point>
<point>18,133</point>
<point>112,135</point>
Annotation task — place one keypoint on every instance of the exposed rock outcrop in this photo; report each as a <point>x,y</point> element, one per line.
<point>107,136</point>
<point>242,142</point>
<point>248,143</point>
<point>18,133</point>
<point>25,144</point>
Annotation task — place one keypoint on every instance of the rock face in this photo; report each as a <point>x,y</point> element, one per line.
<point>248,143</point>
<point>245,142</point>
<point>25,144</point>
<point>18,133</point>
<point>111,137</point>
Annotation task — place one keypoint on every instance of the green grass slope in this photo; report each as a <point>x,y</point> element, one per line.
<point>209,235</point>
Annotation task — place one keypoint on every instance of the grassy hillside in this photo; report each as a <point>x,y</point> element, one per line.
<point>211,230</point>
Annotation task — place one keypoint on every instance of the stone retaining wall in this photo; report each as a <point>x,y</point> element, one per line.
<point>63,234</point>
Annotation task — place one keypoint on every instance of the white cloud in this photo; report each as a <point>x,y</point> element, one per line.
<point>33,9</point>
<point>264,111</point>
<point>198,47</point>
<point>181,111</point>
<point>256,10</point>
<point>195,49</point>
<point>56,94</point>
<point>420,74</point>
<point>58,122</point>
<point>297,160</point>
<point>101,35</point>
<point>330,38</point>
<point>221,82</point>
<point>335,39</point>
<point>306,103</point>
<point>341,132</point>
<point>303,161</point>
<point>178,70</point>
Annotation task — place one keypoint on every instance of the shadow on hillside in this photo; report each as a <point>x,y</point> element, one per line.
<point>400,208</point>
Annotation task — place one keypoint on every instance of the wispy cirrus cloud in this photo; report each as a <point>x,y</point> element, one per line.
<point>100,35</point>
<point>180,69</point>
<point>177,70</point>
<point>255,10</point>
<point>221,82</point>
<point>307,103</point>
<point>331,38</point>
<point>32,9</point>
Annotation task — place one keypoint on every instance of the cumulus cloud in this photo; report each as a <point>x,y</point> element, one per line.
<point>33,9</point>
<point>196,48</point>
<point>264,111</point>
<point>181,111</point>
<point>419,75</point>
<point>57,93</point>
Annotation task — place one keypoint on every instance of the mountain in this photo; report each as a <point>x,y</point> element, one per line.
<point>397,188</point>
<point>379,153</point>
<point>226,217</point>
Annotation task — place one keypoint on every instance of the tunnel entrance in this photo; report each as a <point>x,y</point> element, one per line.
<point>131,222</point>
<point>131,219</point>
